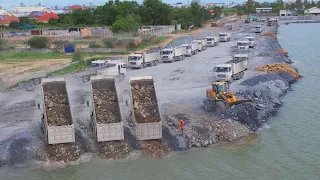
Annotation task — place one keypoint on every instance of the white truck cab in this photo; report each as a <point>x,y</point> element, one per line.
<point>167,54</point>
<point>119,68</point>
<point>251,41</point>
<point>243,45</point>
<point>258,29</point>
<point>223,72</point>
<point>210,41</point>
<point>188,49</point>
<point>135,60</point>
<point>224,37</point>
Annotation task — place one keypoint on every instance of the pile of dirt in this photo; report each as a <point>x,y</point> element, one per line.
<point>282,51</point>
<point>156,148</point>
<point>145,103</point>
<point>61,152</point>
<point>57,108</point>
<point>270,35</point>
<point>106,106</point>
<point>114,149</point>
<point>280,67</point>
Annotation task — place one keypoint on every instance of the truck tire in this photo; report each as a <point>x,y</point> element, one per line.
<point>141,66</point>
<point>151,63</point>
<point>155,63</point>
<point>207,105</point>
<point>183,57</point>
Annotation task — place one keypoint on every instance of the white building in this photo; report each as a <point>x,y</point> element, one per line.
<point>25,11</point>
<point>312,11</point>
<point>285,13</point>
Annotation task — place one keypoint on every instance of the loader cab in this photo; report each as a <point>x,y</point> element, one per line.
<point>220,87</point>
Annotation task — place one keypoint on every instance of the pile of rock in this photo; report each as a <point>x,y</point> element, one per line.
<point>145,103</point>
<point>114,149</point>
<point>156,148</point>
<point>57,108</point>
<point>62,152</point>
<point>106,106</point>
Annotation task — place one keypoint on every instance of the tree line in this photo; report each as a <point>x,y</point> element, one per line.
<point>128,16</point>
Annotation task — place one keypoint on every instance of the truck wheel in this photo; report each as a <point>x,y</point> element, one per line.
<point>155,63</point>
<point>207,105</point>
<point>151,64</point>
<point>141,66</point>
<point>183,57</point>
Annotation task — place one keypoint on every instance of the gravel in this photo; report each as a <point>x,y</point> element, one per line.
<point>114,149</point>
<point>57,108</point>
<point>261,79</point>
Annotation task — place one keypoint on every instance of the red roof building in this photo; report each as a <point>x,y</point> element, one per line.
<point>75,7</point>
<point>7,19</point>
<point>45,17</point>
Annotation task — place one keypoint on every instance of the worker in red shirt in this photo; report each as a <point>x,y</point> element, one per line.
<point>181,125</point>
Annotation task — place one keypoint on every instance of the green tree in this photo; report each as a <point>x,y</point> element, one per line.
<point>154,12</point>
<point>38,42</point>
<point>124,24</point>
<point>106,14</point>
<point>14,25</point>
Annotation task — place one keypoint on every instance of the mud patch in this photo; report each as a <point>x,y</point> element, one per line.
<point>156,148</point>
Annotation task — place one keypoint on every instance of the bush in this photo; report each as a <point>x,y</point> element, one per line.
<point>38,42</point>
<point>3,44</point>
<point>131,44</point>
<point>77,57</point>
<point>108,43</point>
<point>95,45</point>
<point>59,44</point>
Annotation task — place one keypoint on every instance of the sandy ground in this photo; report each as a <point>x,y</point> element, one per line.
<point>180,87</point>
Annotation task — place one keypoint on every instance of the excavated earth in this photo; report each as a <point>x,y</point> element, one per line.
<point>114,149</point>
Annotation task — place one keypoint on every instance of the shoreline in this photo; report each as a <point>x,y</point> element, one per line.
<point>209,129</point>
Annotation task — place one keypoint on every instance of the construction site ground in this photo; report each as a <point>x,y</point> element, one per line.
<point>180,89</point>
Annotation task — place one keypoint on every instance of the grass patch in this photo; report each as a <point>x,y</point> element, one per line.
<point>36,69</point>
<point>148,44</point>
<point>70,69</point>
<point>182,31</point>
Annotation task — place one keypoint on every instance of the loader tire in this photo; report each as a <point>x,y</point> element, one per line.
<point>207,105</point>
<point>220,107</point>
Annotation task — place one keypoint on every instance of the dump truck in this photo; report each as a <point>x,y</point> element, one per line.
<point>258,29</point>
<point>229,71</point>
<point>173,54</point>
<point>212,41</point>
<point>243,45</point>
<point>104,68</point>
<point>202,44</point>
<point>239,58</point>
<point>191,48</point>
<point>220,99</point>
<point>105,115</point>
<point>145,110</point>
<point>251,41</point>
<point>224,37</point>
<point>144,59</point>
<point>56,117</point>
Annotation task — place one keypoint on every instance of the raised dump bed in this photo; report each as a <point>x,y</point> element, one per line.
<point>106,116</point>
<point>145,110</point>
<point>57,118</point>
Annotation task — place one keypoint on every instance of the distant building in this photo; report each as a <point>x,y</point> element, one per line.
<point>263,10</point>
<point>25,11</point>
<point>5,13</point>
<point>312,11</point>
<point>71,8</point>
<point>47,16</point>
<point>5,19</point>
<point>285,13</point>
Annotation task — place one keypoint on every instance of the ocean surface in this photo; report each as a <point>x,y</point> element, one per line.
<point>287,147</point>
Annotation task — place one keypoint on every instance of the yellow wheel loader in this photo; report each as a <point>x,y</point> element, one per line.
<point>219,98</point>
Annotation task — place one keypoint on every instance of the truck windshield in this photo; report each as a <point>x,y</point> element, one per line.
<point>166,52</point>
<point>250,39</point>
<point>240,58</point>
<point>187,47</point>
<point>221,69</point>
<point>219,88</point>
<point>96,64</point>
<point>133,58</point>
<point>242,44</point>
<point>209,39</point>
<point>222,35</point>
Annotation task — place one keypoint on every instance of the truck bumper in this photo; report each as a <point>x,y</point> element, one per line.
<point>167,60</point>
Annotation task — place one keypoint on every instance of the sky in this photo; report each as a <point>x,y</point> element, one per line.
<point>7,4</point>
